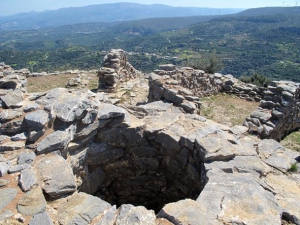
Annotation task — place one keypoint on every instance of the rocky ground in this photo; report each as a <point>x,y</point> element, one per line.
<point>78,157</point>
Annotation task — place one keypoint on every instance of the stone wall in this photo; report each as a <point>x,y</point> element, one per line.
<point>276,117</point>
<point>116,69</point>
<point>278,112</point>
<point>59,147</point>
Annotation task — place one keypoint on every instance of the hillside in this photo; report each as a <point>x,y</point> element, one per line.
<point>265,44</point>
<point>79,45</point>
<point>102,13</point>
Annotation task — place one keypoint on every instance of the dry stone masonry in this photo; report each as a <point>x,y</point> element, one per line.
<point>116,69</point>
<point>67,157</point>
<point>277,115</point>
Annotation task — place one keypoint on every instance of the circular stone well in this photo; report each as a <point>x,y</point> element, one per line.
<point>147,174</point>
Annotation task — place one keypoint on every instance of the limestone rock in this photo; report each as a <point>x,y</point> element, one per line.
<point>32,203</point>
<point>108,217</point>
<point>10,114</point>
<point>6,196</point>
<point>184,212</point>
<point>128,214</point>
<point>26,158</point>
<point>56,176</point>
<point>13,99</point>
<point>37,120</point>
<point>41,219</point>
<point>18,168</point>
<point>263,116</point>
<point>238,198</point>
<point>31,107</point>
<point>12,145</point>
<point>4,168</point>
<point>81,208</point>
<point>57,140</point>
<point>27,179</point>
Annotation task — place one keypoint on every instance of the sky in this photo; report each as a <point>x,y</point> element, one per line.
<point>9,7</point>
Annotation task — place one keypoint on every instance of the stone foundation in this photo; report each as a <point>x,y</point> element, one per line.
<point>60,149</point>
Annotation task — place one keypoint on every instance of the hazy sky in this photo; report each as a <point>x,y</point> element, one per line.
<point>8,7</point>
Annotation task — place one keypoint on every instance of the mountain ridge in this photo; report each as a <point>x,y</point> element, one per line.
<point>110,13</point>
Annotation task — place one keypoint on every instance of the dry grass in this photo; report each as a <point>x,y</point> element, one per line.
<point>227,109</point>
<point>292,141</point>
<point>46,83</point>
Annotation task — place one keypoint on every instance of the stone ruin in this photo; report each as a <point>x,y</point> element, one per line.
<point>278,112</point>
<point>67,157</point>
<point>116,69</point>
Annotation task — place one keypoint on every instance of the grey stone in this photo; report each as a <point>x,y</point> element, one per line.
<point>172,96</point>
<point>184,212</point>
<point>53,183</point>
<point>108,111</point>
<point>215,148</point>
<point>41,219</point>
<point>26,158</point>
<point>263,116</point>
<point>27,179</point>
<point>267,147</point>
<point>37,120</point>
<point>244,164</point>
<point>108,217</point>
<point>10,114</point>
<point>3,182</point>
<point>18,168</point>
<point>136,215</point>
<point>57,140</point>
<point>4,168</point>
<point>100,153</point>
<point>239,199</point>
<point>19,137</point>
<point>6,196</point>
<point>13,127</point>
<point>81,208</point>
<point>189,107</point>
<point>5,215</point>
<point>12,145</point>
<point>238,130</point>
<point>35,135</point>
<point>31,107</point>
<point>32,203</point>
<point>13,99</point>
<point>169,143</point>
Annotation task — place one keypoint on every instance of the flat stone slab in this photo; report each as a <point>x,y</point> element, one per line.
<point>56,176</point>
<point>32,203</point>
<point>4,168</point>
<point>57,140</point>
<point>238,198</point>
<point>184,212</point>
<point>129,214</point>
<point>13,99</point>
<point>10,114</point>
<point>12,145</point>
<point>37,120</point>
<point>26,158</point>
<point>6,196</point>
<point>18,168</point>
<point>41,219</point>
<point>81,208</point>
<point>27,179</point>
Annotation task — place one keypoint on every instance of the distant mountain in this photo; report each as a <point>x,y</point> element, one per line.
<point>269,11</point>
<point>102,13</point>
